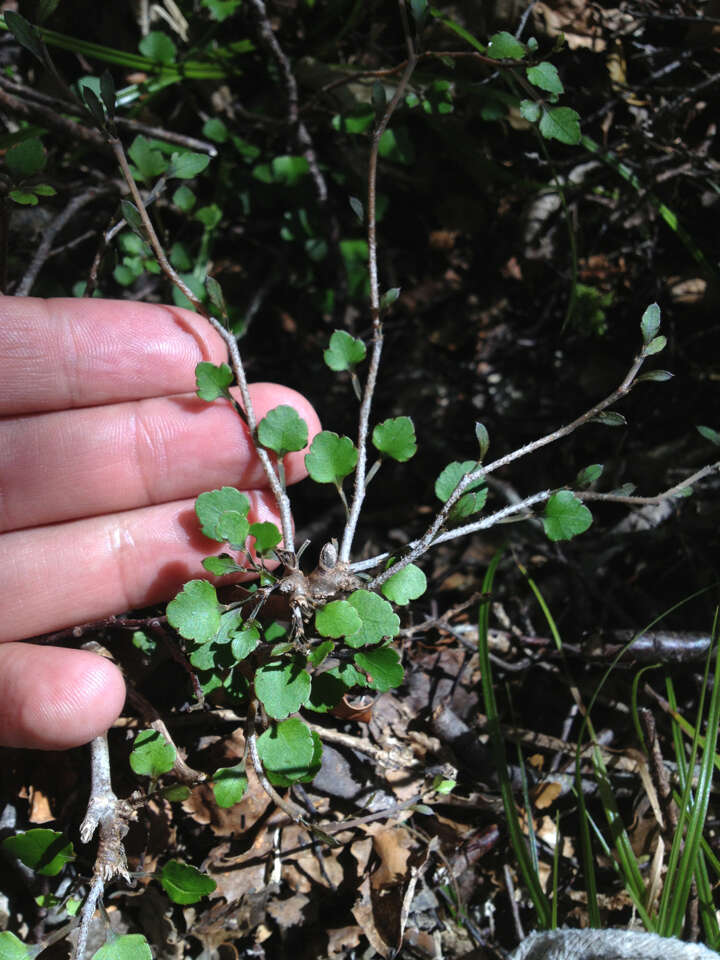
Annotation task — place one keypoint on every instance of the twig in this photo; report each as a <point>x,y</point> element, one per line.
<point>364,418</point>
<point>291,809</point>
<point>431,537</point>
<point>50,232</point>
<point>673,491</point>
<point>301,131</point>
<point>51,118</point>
<point>111,816</point>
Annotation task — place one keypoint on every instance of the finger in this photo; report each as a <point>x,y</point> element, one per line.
<point>57,576</point>
<point>81,463</point>
<point>58,354</point>
<point>52,699</point>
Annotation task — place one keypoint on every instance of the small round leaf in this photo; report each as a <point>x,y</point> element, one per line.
<point>405,585</point>
<point>379,620</point>
<point>344,352</point>
<point>282,686</point>
<point>331,457</point>
<point>452,475</point>
<point>213,381</point>
<point>229,785</point>
<point>44,851</point>
<point>130,946</point>
<point>337,619</point>
<point>565,516</point>
<point>152,754</point>
<point>382,666</point>
<point>210,506</point>
<point>395,438</point>
<point>283,430</point>
<point>195,611</point>
<point>287,749</point>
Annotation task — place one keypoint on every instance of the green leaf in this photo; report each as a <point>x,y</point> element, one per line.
<point>395,438</point>
<point>655,346</point>
<point>712,435</point>
<point>130,946</point>
<point>184,884</point>
<point>289,170</point>
<point>589,475</point>
<point>233,528</point>
<point>405,585</point>
<point>185,166</point>
<point>131,213</point>
<point>214,129</point>
<point>184,199</point>
<point>560,123</point>
<point>609,418</point>
<point>24,197</point>
<point>443,786</point>
<point>282,686</point>
<point>504,46</point>
<point>650,323</point>
<point>379,620</point>
<point>626,490</point>
<point>267,536</point>
<point>152,755</point>
<point>44,851</point>
<point>44,190</point>
<point>221,9</point>
<point>287,750</point>
<point>655,376</point>
<point>244,642</point>
<point>215,293</point>
<point>337,619</point>
<point>344,352</point>
<point>326,693</point>
<point>389,297</point>
<point>282,430</point>
<point>530,110</point>
<point>11,948</point>
<point>452,475</point>
<point>195,611</point>
<point>210,507</point>
<point>26,158</point>
<point>359,211</point>
<point>176,792</point>
<point>25,33</point>
<point>107,92</point>
<point>320,652</point>
<point>483,438</point>
<point>149,161</point>
<point>382,666</point>
<point>229,785</point>
<point>158,46</point>
<point>213,381</point>
<point>349,675</point>
<point>468,504</point>
<point>221,565</point>
<point>565,516</point>
<point>331,457</point>
<point>545,76</point>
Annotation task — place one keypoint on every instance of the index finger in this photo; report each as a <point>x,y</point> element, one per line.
<point>63,353</point>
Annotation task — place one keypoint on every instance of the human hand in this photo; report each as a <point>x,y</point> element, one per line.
<point>103,448</point>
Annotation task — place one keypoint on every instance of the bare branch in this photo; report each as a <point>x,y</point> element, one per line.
<point>674,491</point>
<point>364,418</point>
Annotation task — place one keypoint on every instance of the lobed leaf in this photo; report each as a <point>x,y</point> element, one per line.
<point>565,516</point>
<point>195,611</point>
<point>210,507</point>
<point>561,123</point>
<point>452,475</point>
<point>185,166</point>
<point>12,948</point>
<point>152,755</point>
<point>287,750</point>
<point>267,536</point>
<point>395,438</point>
<point>382,666</point>
<point>326,693</point>
<point>530,110</point>
<point>221,565</point>
<point>244,642</point>
<point>379,620</point>
<point>344,352</point>
<point>282,430</point>
<point>282,686</point>
<point>545,76</point>
<point>337,619</point>
<point>405,585</point>
<point>331,457</point>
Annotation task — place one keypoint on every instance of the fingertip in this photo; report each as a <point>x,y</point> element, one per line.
<point>55,699</point>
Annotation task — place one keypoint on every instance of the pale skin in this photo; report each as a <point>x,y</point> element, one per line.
<point>103,448</point>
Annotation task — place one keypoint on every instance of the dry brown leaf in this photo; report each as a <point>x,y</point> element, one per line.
<point>289,913</point>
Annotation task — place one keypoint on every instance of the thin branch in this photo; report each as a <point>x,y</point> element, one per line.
<point>50,232</point>
<point>359,486</point>
<point>674,491</point>
<point>430,537</point>
<point>301,131</point>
